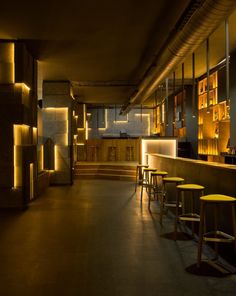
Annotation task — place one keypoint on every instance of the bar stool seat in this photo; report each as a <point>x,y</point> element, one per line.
<point>146,180</point>
<point>192,216</point>
<point>186,187</point>
<point>164,202</point>
<point>156,184</point>
<point>159,173</point>
<point>216,235</point>
<point>139,174</point>
<point>172,180</point>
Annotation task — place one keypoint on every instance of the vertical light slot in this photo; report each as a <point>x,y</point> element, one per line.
<point>16,157</point>
<point>15,170</point>
<point>106,118</point>
<point>67,126</point>
<point>12,49</point>
<point>31,180</point>
<point>84,116</point>
<point>42,157</point>
<point>66,134</point>
<point>55,158</point>
<point>7,59</point>
<point>34,135</point>
<point>86,130</point>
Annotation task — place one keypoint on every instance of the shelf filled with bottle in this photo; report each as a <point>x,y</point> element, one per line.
<point>213,120</point>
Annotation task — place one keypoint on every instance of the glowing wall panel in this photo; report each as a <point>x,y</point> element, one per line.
<point>159,146</point>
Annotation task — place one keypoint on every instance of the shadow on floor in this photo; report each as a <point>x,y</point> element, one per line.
<point>181,236</point>
<point>208,268</point>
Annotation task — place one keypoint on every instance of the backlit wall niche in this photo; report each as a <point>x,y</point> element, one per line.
<point>57,131</point>
<point>7,59</point>
<point>22,137</point>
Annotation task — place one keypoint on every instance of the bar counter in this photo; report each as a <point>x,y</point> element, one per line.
<point>113,149</point>
<point>216,177</point>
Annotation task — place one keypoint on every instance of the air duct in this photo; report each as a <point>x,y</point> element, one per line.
<point>197,23</point>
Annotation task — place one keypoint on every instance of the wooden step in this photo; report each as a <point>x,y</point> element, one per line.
<point>114,167</point>
<point>106,177</point>
<point>105,171</point>
<point>79,171</point>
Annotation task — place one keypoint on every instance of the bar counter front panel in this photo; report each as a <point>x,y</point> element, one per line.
<point>217,178</point>
<point>99,149</point>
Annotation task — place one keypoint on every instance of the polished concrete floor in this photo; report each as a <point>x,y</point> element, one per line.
<point>94,239</point>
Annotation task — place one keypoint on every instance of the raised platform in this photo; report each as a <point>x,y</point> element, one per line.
<point>124,171</point>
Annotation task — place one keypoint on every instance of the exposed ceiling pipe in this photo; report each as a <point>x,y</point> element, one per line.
<point>196,25</point>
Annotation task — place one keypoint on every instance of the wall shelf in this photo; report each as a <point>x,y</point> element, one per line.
<point>213,121</point>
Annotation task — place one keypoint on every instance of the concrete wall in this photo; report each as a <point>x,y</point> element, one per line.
<point>18,121</point>
<point>57,127</point>
<point>108,122</point>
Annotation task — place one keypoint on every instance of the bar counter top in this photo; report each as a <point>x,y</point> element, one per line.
<point>118,138</point>
<point>218,178</point>
<point>199,162</point>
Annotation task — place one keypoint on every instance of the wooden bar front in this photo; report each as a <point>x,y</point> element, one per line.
<point>113,149</point>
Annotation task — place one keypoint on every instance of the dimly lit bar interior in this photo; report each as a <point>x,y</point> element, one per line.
<point>118,147</point>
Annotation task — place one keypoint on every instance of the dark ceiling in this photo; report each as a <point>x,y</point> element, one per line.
<point>103,47</point>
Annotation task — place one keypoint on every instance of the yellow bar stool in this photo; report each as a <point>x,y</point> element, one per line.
<point>164,202</point>
<point>146,181</point>
<point>139,174</point>
<point>217,236</point>
<point>192,216</point>
<point>156,184</point>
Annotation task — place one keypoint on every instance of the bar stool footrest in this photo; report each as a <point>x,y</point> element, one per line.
<point>190,217</point>
<point>172,205</point>
<point>218,236</point>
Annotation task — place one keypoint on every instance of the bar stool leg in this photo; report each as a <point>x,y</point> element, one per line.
<point>216,226</point>
<point>136,179</point>
<point>141,199</point>
<point>192,210</point>
<point>234,223</point>
<point>149,197</point>
<point>177,214</point>
<point>162,202</point>
<point>201,226</point>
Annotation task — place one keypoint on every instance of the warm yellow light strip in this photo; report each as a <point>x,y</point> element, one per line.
<point>149,121</point>
<point>15,171</point>
<point>84,112</point>
<point>56,108</point>
<point>66,135</point>
<point>160,146</point>
<point>23,85</point>
<point>55,158</point>
<point>104,128</point>
<point>80,144</point>
<point>12,50</point>
<point>120,121</point>
<point>42,157</point>
<point>35,135</point>
<point>17,141</point>
<point>86,130</point>
<point>31,180</point>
